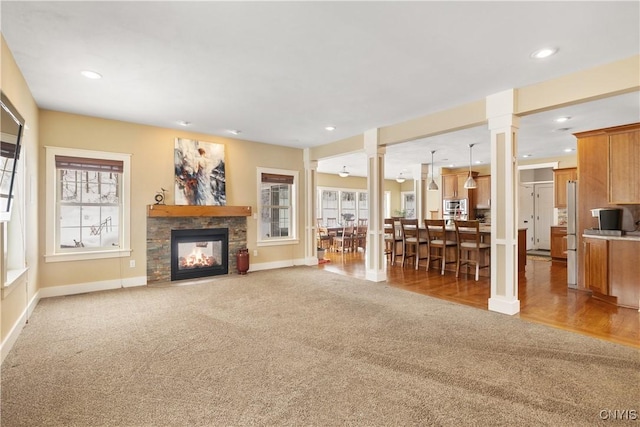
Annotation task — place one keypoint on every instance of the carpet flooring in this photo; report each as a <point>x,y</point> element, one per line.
<point>305,347</point>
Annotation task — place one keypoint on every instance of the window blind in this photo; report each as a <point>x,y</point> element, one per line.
<point>87,164</point>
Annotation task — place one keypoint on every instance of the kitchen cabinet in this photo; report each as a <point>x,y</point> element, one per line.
<point>450,186</point>
<point>596,264</point>
<point>453,186</point>
<point>559,243</point>
<point>560,179</point>
<point>483,192</point>
<point>624,167</point>
<point>596,175</point>
<point>612,269</point>
<point>624,270</point>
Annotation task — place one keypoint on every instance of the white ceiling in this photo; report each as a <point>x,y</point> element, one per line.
<point>281,71</point>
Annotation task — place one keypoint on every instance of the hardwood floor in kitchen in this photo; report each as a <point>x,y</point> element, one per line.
<point>542,291</point>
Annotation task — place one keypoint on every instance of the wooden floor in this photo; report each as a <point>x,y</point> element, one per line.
<point>542,291</point>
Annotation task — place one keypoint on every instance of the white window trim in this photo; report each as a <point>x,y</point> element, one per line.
<point>51,254</point>
<point>340,190</point>
<point>278,241</point>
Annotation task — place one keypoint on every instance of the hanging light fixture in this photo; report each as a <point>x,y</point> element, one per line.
<point>400,178</point>
<point>470,182</point>
<point>343,173</point>
<point>432,184</point>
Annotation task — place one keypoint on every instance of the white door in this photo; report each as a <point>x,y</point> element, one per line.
<point>526,213</point>
<point>544,215</point>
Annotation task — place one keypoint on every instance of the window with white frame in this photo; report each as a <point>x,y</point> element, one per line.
<point>88,204</point>
<point>408,204</point>
<point>277,209</point>
<point>335,205</point>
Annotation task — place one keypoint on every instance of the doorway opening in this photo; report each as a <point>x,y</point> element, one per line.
<point>536,204</point>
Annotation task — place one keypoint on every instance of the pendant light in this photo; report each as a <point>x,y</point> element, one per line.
<point>343,173</point>
<point>470,182</point>
<point>400,178</point>
<point>432,184</point>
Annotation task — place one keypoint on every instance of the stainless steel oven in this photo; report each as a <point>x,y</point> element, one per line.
<point>454,209</point>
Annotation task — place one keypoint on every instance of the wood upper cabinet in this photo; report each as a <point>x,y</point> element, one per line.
<point>483,192</point>
<point>560,179</point>
<point>453,186</point>
<point>596,264</point>
<point>624,167</point>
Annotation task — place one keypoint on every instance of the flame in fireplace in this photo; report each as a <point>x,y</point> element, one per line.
<point>197,259</point>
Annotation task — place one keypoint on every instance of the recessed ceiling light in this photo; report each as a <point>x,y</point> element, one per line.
<point>544,52</point>
<point>91,74</point>
<point>562,129</point>
<point>234,131</point>
<point>184,123</point>
<point>330,128</point>
<point>478,162</point>
<point>562,119</point>
<point>568,150</point>
<point>526,155</point>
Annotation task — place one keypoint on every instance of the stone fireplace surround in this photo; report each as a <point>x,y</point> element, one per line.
<point>161,219</point>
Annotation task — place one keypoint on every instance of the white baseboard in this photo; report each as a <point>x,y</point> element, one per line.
<point>277,264</point>
<point>15,331</point>
<point>81,288</point>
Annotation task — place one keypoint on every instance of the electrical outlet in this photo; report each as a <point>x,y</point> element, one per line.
<point>255,252</point>
<point>132,263</point>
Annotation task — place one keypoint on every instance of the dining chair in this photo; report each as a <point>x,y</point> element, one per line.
<point>471,249</point>
<point>344,240</point>
<point>438,244</point>
<point>412,241</point>
<point>398,241</point>
<point>360,236</point>
<point>324,239</point>
<point>388,238</point>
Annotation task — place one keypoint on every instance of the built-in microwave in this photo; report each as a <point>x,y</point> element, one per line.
<point>456,207</point>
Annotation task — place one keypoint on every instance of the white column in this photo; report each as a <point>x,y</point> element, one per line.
<point>503,125</point>
<point>420,175</point>
<point>375,261</point>
<point>310,247</point>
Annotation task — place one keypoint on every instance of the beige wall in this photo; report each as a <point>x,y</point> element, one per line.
<point>15,301</point>
<point>152,169</point>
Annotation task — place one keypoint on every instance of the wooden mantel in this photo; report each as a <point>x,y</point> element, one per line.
<point>196,210</point>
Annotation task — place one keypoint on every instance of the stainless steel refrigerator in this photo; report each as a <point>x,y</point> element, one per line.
<point>572,234</point>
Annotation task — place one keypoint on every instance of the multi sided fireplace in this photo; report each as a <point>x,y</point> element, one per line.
<point>199,253</point>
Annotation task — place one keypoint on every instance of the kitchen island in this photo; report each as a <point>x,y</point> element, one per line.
<point>612,270</point>
<point>485,231</point>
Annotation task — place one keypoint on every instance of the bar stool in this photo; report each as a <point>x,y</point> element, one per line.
<point>412,241</point>
<point>437,236</point>
<point>398,241</point>
<point>471,248</point>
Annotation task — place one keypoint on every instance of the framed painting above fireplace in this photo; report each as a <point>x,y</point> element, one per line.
<point>199,173</point>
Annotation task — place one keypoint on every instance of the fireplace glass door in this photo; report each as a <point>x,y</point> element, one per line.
<point>199,253</point>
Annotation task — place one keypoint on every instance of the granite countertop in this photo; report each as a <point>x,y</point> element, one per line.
<point>628,237</point>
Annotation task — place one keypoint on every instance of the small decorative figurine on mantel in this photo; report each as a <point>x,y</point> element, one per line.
<point>160,197</point>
